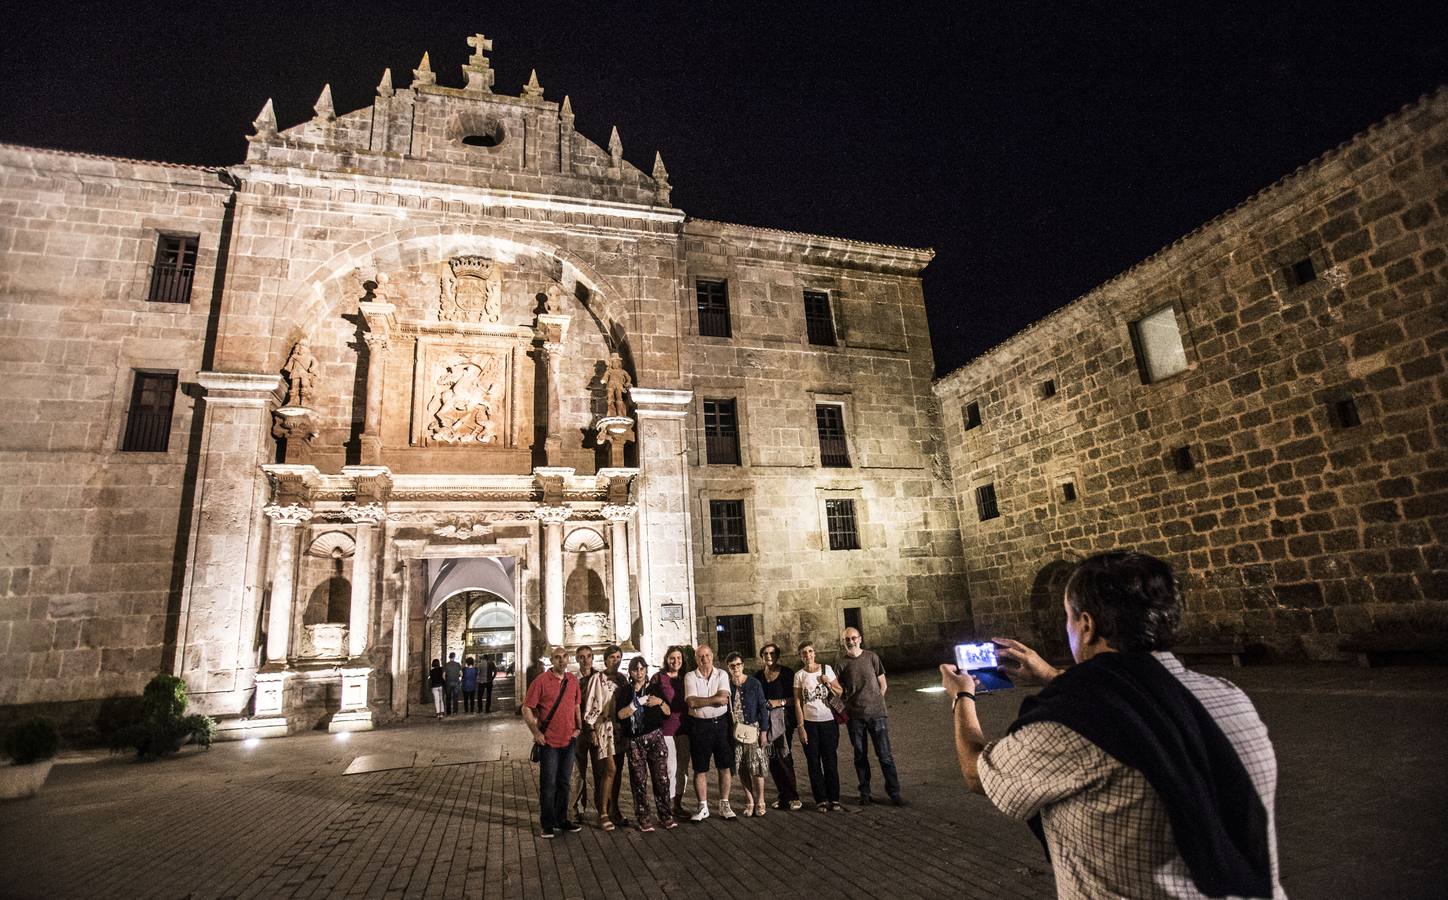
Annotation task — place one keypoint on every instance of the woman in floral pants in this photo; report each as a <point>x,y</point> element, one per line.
<point>641,710</point>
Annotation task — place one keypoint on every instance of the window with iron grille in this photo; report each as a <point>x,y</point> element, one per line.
<point>735,634</point>
<point>721,433</point>
<point>830,419</point>
<point>819,322</point>
<point>726,526</point>
<point>840,522</point>
<point>148,423</point>
<point>175,266</point>
<point>713,298</point>
<point>985,502</point>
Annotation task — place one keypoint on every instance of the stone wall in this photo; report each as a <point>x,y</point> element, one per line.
<point>906,577</point>
<point>89,534</point>
<point>1294,526</point>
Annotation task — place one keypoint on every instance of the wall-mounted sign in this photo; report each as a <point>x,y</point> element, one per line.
<point>671,612</point>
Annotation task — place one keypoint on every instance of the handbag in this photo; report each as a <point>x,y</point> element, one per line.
<point>836,703</point>
<point>746,734</point>
<point>536,754</point>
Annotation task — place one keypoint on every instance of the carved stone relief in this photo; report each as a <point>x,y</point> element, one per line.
<point>471,290</point>
<point>466,402</point>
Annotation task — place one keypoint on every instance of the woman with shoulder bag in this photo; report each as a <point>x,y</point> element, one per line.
<point>670,684</point>
<point>751,733</point>
<point>814,685</point>
<point>641,713</point>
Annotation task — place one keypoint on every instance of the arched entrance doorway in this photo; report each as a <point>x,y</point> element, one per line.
<point>471,613</point>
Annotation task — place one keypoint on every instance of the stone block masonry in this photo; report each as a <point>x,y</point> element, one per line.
<point>1293,469</point>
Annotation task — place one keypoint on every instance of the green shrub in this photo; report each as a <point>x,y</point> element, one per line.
<point>164,725</point>
<point>31,740</point>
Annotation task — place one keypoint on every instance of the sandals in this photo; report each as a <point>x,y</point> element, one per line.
<point>646,828</point>
<point>759,810</point>
<point>606,825</point>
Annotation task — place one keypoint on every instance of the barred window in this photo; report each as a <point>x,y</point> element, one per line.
<point>726,526</point>
<point>713,299</point>
<point>840,522</point>
<point>174,268</point>
<point>721,432</point>
<point>830,420</point>
<point>819,322</point>
<point>148,422</point>
<point>735,634</point>
<point>985,502</point>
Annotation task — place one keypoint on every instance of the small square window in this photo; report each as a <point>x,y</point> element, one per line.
<point>970,415</point>
<point>713,300</point>
<point>853,619</point>
<point>735,634</point>
<point>1302,272</point>
<point>844,532</point>
<point>721,432</point>
<point>726,527</point>
<point>985,502</point>
<point>1158,343</point>
<point>1345,413</point>
<point>174,268</point>
<point>1068,492</point>
<point>148,421</point>
<point>1048,388</point>
<point>818,320</point>
<point>834,450</point>
<point>1181,459</point>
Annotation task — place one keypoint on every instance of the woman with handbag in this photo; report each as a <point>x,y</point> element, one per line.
<point>751,736</point>
<point>641,713</point>
<point>815,685</point>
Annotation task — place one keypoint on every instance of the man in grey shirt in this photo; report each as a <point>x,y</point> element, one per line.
<point>862,676</point>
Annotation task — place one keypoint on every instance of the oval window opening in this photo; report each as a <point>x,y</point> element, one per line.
<point>484,140</point>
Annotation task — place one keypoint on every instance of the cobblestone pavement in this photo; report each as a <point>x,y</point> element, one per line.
<point>1360,810</point>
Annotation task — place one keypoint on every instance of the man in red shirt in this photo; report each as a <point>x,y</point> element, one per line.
<point>551,711</point>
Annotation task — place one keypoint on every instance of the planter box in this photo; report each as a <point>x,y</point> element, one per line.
<point>23,781</point>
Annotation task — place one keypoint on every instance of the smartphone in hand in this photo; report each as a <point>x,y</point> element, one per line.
<point>980,660</point>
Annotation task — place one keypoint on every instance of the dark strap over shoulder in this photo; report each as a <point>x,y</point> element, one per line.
<point>548,720</point>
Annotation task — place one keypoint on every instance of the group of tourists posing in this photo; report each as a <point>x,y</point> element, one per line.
<point>664,724</point>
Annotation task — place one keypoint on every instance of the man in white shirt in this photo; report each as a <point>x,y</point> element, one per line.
<point>706,693</point>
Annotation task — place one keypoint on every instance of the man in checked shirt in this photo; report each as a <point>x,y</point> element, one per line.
<point>1142,779</point>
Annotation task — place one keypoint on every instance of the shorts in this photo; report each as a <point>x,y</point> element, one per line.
<point>711,739</point>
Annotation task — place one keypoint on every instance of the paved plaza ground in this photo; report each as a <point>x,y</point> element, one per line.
<point>1361,813</point>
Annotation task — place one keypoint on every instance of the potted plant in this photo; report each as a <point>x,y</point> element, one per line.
<point>164,725</point>
<point>31,746</point>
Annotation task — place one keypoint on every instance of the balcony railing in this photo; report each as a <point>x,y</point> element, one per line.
<point>834,452</point>
<point>171,284</point>
<point>722,449</point>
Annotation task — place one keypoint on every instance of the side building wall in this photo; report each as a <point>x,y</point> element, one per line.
<point>89,532</point>
<point>1313,406</point>
<point>905,579</point>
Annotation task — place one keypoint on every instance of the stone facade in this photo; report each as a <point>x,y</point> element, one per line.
<point>393,366</point>
<point>1311,501</point>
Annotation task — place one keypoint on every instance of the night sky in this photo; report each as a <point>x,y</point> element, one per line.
<point>1040,148</point>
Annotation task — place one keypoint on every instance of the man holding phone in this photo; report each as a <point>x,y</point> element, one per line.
<point>1141,778</point>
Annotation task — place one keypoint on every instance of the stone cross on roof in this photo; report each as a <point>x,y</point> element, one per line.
<point>478,71</point>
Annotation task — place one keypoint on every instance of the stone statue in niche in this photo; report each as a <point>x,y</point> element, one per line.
<point>616,381</point>
<point>553,302</point>
<point>471,290</point>
<point>302,370</point>
<point>467,405</point>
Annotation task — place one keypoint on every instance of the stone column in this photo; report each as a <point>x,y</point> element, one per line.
<point>618,517</point>
<point>287,520</point>
<point>552,519</point>
<point>359,625</point>
<point>553,443</point>
<point>666,561</point>
<point>371,439</point>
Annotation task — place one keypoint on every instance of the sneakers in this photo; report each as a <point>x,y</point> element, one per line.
<point>836,806</point>
<point>795,804</point>
<point>725,812</point>
<point>571,826</point>
<point>822,806</point>
<point>547,833</point>
<point>701,814</point>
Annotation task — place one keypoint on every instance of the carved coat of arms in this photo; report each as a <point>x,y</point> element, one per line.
<point>471,290</point>
<point>467,401</point>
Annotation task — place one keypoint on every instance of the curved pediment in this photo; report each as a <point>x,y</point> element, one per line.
<point>465,135</point>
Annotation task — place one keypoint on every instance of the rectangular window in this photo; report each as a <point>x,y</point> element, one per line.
<point>970,415</point>
<point>1345,413</point>
<point>726,526</point>
<point>1181,459</point>
<point>840,521</point>
<point>830,420</point>
<point>1068,491</point>
<point>985,502</point>
<point>735,634</point>
<point>713,297</point>
<point>853,618</point>
<point>148,423</point>
<point>1158,344</point>
<point>1048,388</point>
<point>721,433</point>
<point>174,268</point>
<point>1143,420</point>
<point>1302,272</point>
<point>819,322</point>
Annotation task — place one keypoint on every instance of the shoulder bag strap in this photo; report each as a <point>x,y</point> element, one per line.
<point>548,720</point>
